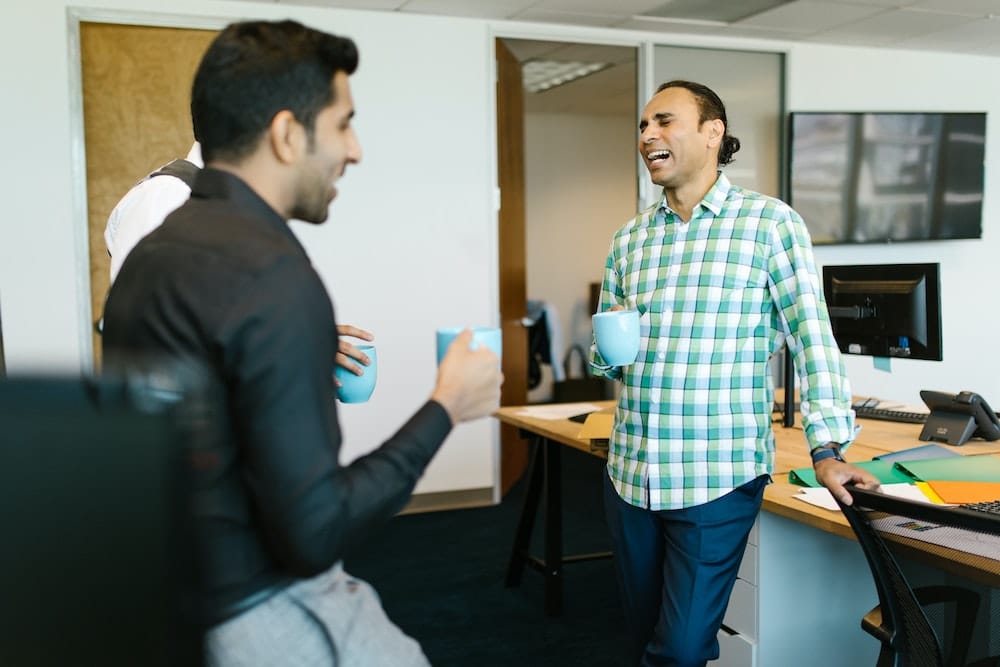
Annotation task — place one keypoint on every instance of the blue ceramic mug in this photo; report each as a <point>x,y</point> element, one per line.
<point>358,388</point>
<point>487,336</point>
<point>616,333</point>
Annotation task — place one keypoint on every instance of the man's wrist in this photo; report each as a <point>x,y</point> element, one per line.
<point>828,451</point>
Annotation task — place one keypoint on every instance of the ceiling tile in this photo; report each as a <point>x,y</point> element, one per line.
<point>958,38</point>
<point>713,10</point>
<point>347,4</point>
<point>525,49</point>
<point>591,53</point>
<point>810,16</point>
<point>990,49</point>
<point>893,4</point>
<point>759,32</point>
<point>671,27</point>
<point>571,18</point>
<point>850,39</point>
<point>890,27</point>
<point>608,92</point>
<point>487,9</point>
<point>979,8</point>
<point>921,24</point>
<point>618,7</point>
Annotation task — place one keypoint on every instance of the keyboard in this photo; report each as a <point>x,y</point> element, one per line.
<point>988,506</point>
<point>889,415</point>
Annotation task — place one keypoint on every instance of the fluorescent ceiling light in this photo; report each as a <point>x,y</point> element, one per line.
<point>710,12</point>
<point>541,75</point>
<point>683,21</point>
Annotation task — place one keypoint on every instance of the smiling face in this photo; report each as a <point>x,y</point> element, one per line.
<point>332,147</point>
<point>679,150</point>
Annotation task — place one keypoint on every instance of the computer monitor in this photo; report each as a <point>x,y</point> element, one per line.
<point>98,565</point>
<point>885,310</point>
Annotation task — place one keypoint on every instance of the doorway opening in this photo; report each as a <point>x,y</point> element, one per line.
<point>576,125</point>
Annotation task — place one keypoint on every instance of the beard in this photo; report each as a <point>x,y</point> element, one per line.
<point>312,203</point>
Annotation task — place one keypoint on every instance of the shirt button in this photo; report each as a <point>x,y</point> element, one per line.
<point>661,356</point>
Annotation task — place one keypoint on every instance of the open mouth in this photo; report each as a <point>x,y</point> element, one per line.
<point>657,156</point>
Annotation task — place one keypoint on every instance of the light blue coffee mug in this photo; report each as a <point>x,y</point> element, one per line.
<point>358,388</point>
<point>616,333</point>
<point>490,337</point>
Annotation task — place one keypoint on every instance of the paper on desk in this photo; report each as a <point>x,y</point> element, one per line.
<point>818,496</point>
<point>557,410</point>
<point>821,497</point>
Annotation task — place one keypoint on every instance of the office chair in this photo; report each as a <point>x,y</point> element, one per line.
<point>97,565</point>
<point>899,621</point>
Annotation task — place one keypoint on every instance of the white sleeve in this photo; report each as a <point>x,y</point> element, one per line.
<point>139,212</point>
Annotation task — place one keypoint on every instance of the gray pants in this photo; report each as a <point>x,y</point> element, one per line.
<point>332,619</point>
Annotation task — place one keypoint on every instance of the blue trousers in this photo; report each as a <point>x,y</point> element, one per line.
<point>676,570</point>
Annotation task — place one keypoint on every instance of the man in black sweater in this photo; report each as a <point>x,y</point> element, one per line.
<point>224,283</point>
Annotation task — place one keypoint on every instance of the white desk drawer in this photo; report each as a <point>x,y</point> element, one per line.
<point>741,614</point>
<point>754,538</point>
<point>735,651</point>
<point>748,566</point>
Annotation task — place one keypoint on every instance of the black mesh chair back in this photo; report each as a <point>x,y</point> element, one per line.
<point>97,566</point>
<point>901,624</point>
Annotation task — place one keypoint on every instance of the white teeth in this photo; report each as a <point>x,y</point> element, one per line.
<point>658,155</point>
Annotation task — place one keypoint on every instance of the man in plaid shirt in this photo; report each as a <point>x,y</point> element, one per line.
<point>722,277</point>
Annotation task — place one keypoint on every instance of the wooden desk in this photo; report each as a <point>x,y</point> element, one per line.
<point>785,547</point>
<point>547,437</point>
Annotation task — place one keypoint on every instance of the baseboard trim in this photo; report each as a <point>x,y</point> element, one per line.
<point>449,500</point>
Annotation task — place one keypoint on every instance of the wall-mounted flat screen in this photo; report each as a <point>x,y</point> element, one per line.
<point>887,177</point>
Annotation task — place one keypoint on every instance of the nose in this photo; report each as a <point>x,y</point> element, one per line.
<point>354,148</point>
<point>647,135</point>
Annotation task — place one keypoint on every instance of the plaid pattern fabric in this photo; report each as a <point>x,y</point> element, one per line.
<point>719,295</point>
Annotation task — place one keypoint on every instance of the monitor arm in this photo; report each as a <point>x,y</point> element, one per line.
<point>852,312</point>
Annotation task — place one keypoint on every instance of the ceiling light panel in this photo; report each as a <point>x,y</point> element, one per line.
<point>542,75</point>
<point>712,10</point>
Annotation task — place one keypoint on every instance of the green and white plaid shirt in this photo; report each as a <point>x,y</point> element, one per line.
<point>719,295</point>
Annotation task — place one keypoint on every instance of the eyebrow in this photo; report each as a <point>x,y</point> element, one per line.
<point>658,117</point>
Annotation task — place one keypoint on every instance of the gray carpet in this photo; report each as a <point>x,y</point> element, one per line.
<point>441,578</point>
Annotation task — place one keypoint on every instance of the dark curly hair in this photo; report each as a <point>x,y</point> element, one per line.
<point>710,107</point>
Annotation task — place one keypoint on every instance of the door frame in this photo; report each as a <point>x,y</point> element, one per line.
<point>573,35</point>
<point>78,151</point>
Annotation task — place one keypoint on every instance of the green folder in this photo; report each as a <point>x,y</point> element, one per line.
<point>975,468</point>
<point>883,470</point>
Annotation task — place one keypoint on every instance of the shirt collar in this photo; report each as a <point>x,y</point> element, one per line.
<point>220,184</point>
<point>713,200</point>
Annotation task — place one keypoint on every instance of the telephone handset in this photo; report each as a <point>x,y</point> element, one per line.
<point>955,418</point>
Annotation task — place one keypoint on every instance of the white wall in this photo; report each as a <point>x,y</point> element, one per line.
<point>580,187</point>
<point>423,196</point>
<point>410,245</point>
<point>834,79</point>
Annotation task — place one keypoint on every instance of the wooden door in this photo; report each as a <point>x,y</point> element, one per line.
<point>136,111</point>
<point>512,265</point>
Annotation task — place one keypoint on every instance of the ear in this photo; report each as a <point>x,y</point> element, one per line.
<point>287,136</point>
<point>716,130</point>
